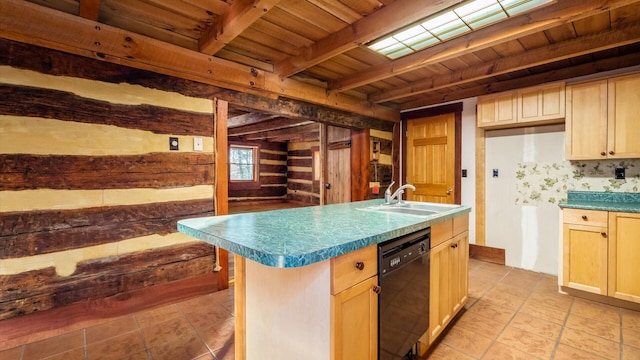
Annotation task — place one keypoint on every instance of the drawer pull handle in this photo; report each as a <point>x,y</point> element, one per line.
<point>360,265</point>
<point>585,218</point>
<point>603,153</point>
<point>377,289</point>
<point>604,234</point>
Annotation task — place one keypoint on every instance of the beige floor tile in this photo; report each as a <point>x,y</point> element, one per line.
<point>75,354</point>
<point>476,323</point>
<point>492,311</point>
<point>445,352</point>
<point>590,343</point>
<point>592,326</point>
<point>466,341</point>
<point>594,310</point>
<point>179,348</point>
<point>125,345</point>
<point>167,331</point>
<point>630,353</point>
<point>225,353</point>
<point>631,337</point>
<point>533,308</point>
<point>470,301</point>
<point>157,315</point>
<point>478,286</point>
<point>217,335</point>
<point>527,342</point>
<point>499,351</point>
<point>631,319</point>
<point>11,354</point>
<point>110,329</point>
<point>534,325</point>
<point>54,345</point>
<point>553,300</point>
<point>564,352</point>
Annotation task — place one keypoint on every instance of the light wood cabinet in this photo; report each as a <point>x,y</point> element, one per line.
<point>602,119</point>
<point>497,109</point>
<point>449,272</point>
<point>544,104</point>
<point>354,305</point>
<point>585,243</point>
<point>624,256</point>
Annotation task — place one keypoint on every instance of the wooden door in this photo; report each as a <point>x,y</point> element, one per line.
<point>624,256</point>
<point>431,159</point>
<point>586,121</point>
<point>338,184</point>
<point>355,322</point>
<point>585,258</point>
<point>623,123</point>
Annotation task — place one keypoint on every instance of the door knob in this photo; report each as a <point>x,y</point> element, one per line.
<point>327,186</point>
<point>449,191</point>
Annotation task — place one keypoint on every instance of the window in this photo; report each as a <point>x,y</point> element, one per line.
<point>243,166</point>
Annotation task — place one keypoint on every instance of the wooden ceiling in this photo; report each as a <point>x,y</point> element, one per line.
<point>270,54</point>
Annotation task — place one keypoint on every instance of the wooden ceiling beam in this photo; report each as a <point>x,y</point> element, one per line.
<point>249,119</point>
<point>285,133</point>
<point>30,23</point>
<point>544,55</point>
<point>388,19</point>
<point>565,73</point>
<point>237,18</point>
<point>90,9</point>
<point>558,13</point>
<point>280,123</point>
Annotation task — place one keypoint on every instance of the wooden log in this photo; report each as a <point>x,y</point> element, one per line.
<point>159,170</point>
<point>268,168</point>
<point>308,187</point>
<point>299,175</point>
<point>262,192</point>
<point>309,199</point>
<point>40,232</point>
<point>61,105</point>
<point>306,162</point>
<point>272,180</point>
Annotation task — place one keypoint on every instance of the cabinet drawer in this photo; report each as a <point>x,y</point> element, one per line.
<point>585,217</point>
<point>345,270</point>
<point>441,232</point>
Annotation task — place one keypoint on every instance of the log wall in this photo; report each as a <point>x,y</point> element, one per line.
<point>272,173</point>
<point>384,164</point>
<point>89,191</point>
<point>300,184</point>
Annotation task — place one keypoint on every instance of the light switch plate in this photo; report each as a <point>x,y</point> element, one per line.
<point>197,144</point>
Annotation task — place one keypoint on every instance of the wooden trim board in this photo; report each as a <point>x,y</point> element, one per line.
<point>485,253</point>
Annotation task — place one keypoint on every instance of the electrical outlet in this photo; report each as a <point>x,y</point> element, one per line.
<point>197,144</point>
<point>173,143</point>
<point>464,172</point>
<point>495,172</point>
<point>620,173</point>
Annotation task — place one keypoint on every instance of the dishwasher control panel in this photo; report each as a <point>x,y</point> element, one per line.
<point>394,254</point>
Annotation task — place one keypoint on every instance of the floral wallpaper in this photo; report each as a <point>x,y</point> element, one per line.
<point>549,182</point>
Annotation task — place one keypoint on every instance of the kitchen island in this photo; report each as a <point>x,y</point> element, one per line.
<point>304,277</point>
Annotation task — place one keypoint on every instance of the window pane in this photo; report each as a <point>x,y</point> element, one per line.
<point>241,163</point>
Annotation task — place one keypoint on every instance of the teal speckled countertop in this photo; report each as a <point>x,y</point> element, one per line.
<point>303,236</point>
<point>605,201</point>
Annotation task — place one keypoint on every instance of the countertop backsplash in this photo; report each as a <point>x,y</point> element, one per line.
<point>549,182</point>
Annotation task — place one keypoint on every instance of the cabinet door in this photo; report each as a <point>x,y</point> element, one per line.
<point>585,258</point>
<point>541,103</point>
<point>498,109</point>
<point>624,256</point>
<point>459,285</point>
<point>354,322</point>
<point>623,123</point>
<point>586,121</point>
<point>440,308</point>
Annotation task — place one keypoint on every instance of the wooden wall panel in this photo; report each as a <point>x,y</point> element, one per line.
<point>384,165</point>
<point>273,173</point>
<point>300,184</point>
<point>90,192</point>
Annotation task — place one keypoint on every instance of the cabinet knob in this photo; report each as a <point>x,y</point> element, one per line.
<point>611,152</point>
<point>377,289</point>
<point>603,153</point>
<point>585,218</point>
<point>360,265</point>
<point>604,234</point>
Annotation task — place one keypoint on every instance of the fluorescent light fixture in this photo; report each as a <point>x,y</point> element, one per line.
<point>448,24</point>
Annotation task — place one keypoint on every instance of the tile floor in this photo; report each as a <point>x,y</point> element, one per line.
<point>511,314</point>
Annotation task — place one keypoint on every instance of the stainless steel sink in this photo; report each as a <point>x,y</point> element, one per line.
<point>412,208</point>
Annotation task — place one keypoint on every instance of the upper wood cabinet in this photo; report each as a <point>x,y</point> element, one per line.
<point>602,119</point>
<point>544,104</point>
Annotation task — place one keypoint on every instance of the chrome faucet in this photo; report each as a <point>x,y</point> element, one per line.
<point>388,197</point>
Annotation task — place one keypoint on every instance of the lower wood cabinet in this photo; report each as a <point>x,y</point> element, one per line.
<point>624,256</point>
<point>449,272</point>
<point>601,253</point>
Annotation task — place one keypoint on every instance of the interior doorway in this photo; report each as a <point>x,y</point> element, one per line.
<point>432,154</point>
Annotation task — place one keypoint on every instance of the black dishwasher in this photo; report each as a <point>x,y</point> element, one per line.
<point>403,310</point>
